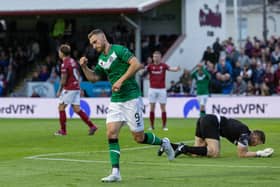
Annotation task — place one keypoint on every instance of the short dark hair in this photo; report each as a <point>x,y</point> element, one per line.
<point>260,134</point>
<point>156,53</point>
<point>65,49</point>
<point>94,32</point>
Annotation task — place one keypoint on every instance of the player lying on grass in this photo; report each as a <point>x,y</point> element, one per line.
<point>207,138</point>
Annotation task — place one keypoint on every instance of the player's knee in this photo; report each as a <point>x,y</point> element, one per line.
<point>216,154</point>
<point>138,138</point>
<point>212,152</point>
<point>76,110</point>
<point>111,134</point>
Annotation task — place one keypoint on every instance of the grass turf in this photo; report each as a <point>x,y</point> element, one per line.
<point>81,160</point>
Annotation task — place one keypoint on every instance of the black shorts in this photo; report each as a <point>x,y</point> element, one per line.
<point>208,127</point>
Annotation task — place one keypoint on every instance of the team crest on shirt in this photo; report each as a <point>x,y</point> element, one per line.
<point>201,77</point>
<point>110,60</point>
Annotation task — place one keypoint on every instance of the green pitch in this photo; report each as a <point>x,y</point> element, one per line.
<point>30,155</point>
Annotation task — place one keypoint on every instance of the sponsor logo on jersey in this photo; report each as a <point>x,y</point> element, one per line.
<point>110,60</point>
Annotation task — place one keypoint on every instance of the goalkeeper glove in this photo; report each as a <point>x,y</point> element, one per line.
<point>265,153</point>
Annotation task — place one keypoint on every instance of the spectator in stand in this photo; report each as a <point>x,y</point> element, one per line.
<point>255,40</point>
<point>268,82</point>
<point>248,47</point>
<point>4,61</point>
<point>256,51</point>
<point>54,78</point>
<point>277,74</point>
<point>34,94</point>
<point>277,88</point>
<point>2,81</point>
<point>145,51</point>
<point>265,91</point>
<point>174,89</point>
<point>236,70</point>
<point>44,73</point>
<point>50,63</point>
<point>10,78</point>
<point>214,85</point>
<point>229,46</point>
<point>258,73</point>
<point>250,91</point>
<point>224,75</point>
<point>243,58</point>
<point>217,47</point>
<point>209,55</point>
<point>83,93</point>
<point>275,56</point>
<point>233,56</point>
<point>265,56</point>
<point>271,43</point>
<point>186,82</point>
<point>246,73</point>
<point>239,87</point>
<point>35,77</point>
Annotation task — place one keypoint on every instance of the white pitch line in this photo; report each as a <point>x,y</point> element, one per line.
<point>46,157</point>
<point>157,164</point>
<point>72,153</point>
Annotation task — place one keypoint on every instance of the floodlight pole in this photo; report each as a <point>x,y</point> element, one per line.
<point>236,22</point>
<point>265,31</point>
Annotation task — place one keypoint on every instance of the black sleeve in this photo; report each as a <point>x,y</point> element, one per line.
<point>244,140</point>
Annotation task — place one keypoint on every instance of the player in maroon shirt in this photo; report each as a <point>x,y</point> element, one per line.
<point>157,90</point>
<point>69,91</point>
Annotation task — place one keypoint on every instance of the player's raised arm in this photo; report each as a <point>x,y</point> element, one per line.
<point>90,75</point>
<point>174,69</point>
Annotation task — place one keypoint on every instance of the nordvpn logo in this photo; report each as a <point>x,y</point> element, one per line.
<point>191,107</point>
<point>84,106</point>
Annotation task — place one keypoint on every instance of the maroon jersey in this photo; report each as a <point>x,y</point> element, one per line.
<point>70,67</point>
<point>157,74</point>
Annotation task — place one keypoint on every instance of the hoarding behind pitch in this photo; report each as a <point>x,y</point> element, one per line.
<point>182,107</point>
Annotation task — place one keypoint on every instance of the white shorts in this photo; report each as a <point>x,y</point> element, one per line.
<point>70,97</point>
<point>157,95</point>
<point>129,112</point>
<point>202,99</point>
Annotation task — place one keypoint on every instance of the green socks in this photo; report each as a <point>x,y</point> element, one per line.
<point>114,149</point>
<point>150,138</point>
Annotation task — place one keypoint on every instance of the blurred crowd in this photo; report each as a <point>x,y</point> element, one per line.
<point>37,60</point>
<point>252,69</point>
<point>16,58</point>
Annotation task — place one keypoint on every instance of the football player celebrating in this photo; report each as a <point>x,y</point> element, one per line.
<point>120,66</point>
